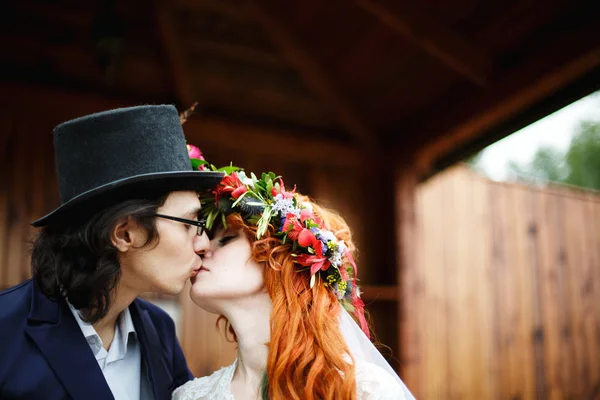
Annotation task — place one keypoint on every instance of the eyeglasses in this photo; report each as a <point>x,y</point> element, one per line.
<point>200,224</point>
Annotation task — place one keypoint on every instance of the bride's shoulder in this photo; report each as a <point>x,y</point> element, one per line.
<point>373,382</point>
<point>200,388</point>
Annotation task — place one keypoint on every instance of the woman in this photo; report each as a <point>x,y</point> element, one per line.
<point>280,272</point>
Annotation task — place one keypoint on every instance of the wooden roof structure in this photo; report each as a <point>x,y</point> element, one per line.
<point>429,82</point>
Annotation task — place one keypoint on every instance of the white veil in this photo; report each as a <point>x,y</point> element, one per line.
<point>361,348</point>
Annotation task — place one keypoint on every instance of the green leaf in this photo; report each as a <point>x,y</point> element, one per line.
<point>229,169</point>
<point>196,163</point>
<point>263,223</point>
<point>211,218</point>
<point>348,306</point>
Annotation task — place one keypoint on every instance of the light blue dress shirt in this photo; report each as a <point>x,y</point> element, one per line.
<point>122,363</point>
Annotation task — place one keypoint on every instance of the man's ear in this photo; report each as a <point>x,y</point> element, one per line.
<point>123,234</point>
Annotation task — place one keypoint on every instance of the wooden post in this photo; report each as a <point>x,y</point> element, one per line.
<point>410,285</point>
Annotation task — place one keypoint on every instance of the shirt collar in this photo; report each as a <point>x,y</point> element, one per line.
<point>123,329</point>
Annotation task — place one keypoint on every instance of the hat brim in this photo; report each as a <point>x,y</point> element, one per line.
<point>139,186</point>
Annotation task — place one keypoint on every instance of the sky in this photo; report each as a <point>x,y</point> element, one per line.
<point>554,130</point>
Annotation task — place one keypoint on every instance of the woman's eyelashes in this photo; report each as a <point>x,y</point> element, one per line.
<point>226,239</point>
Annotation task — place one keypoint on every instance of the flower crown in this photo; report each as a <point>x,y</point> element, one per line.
<point>265,201</point>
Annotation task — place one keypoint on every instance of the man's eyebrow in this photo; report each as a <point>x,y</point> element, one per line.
<point>191,214</point>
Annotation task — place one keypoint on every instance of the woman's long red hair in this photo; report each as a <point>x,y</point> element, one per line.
<point>308,357</point>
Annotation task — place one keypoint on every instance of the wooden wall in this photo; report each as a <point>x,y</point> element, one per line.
<point>504,292</point>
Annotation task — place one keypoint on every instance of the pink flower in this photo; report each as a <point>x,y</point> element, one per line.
<point>194,152</point>
<point>284,193</point>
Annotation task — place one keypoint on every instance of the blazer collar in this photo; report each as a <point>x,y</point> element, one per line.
<point>54,330</point>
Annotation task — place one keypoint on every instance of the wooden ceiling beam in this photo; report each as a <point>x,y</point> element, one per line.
<point>313,74</point>
<point>290,146</point>
<point>172,43</point>
<point>206,132</point>
<point>236,52</point>
<point>225,8</point>
<point>553,67</point>
<point>438,41</point>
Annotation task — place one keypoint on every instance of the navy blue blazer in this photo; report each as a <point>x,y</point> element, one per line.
<point>43,354</point>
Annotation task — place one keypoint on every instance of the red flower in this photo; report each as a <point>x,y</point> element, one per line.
<point>228,185</point>
<point>316,261</point>
<point>306,238</point>
<point>292,226</point>
<point>238,192</point>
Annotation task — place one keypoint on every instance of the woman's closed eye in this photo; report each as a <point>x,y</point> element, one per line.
<point>226,239</point>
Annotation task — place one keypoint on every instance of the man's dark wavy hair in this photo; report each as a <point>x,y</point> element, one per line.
<point>79,261</point>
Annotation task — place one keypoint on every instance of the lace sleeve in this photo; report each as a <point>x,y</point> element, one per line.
<point>374,383</point>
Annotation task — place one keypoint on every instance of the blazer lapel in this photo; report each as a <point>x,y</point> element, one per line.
<point>152,352</point>
<point>55,332</point>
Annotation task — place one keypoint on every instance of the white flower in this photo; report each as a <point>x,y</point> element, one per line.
<point>327,236</point>
<point>284,206</point>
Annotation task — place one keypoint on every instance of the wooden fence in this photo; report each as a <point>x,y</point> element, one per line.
<point>508,305</point>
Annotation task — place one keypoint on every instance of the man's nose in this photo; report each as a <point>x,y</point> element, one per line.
<point>201,244</point>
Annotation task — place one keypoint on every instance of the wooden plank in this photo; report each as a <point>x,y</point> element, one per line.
<point>482,283</point>
<point>463,379</point>
<point>534,247</point>
<point>593,264</point>
<point>5,150</point>
<point>503,300</point>
<point>574,237</point>
<point>590,292</point>
<point>567,351</point>
<point>438,41</point>
<point>17,225</point>
<point>523,235</point>
<point>41,160</point>
<point>434,382</point>
<point>550,294</point>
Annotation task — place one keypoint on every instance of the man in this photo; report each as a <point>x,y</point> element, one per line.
<point>127,224</point>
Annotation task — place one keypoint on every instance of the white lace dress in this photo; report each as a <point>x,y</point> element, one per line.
<point>372,383</point>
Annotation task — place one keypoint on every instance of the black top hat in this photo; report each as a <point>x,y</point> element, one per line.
<point>118,155</point>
